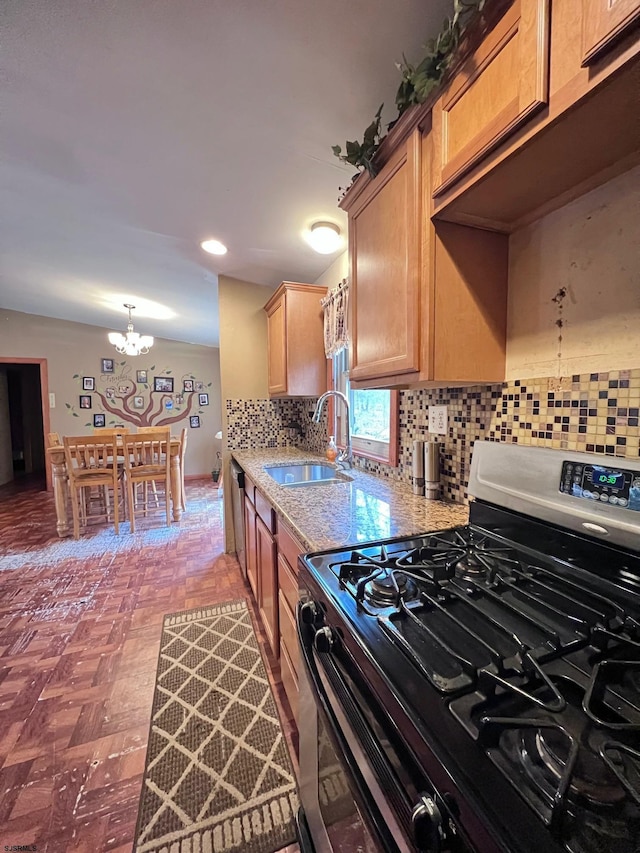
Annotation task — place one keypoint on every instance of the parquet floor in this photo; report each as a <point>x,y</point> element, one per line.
<point>79,638</point>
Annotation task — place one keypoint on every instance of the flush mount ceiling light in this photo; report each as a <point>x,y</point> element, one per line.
<point>214,247</point>
<point>324,237</point>
<point>131,343</point>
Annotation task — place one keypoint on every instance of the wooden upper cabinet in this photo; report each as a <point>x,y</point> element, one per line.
<point>604,22</point>
<point>385,261</point>
<point>297,363</point>
<point>428,300</point>
<point>498,88</point>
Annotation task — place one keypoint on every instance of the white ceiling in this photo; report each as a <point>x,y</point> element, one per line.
<point>134,129</point>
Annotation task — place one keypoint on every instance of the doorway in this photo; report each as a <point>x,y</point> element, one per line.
<point>24,421</point>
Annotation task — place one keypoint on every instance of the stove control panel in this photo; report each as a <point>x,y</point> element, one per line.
<point>614,487</point>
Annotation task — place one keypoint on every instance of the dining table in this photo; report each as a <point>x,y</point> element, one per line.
<point>64,525</point>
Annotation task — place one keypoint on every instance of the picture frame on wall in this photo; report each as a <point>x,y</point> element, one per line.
<point>110,393</point>
<point>194,421</point>
<point>123,390</point>
<point>99,420</point>
<point>88,383</point>
<point>85,401</point>
<point>187,385</point>
<point>141,376</point>
<point>203,399</point>
<point>138,402</point>
<point>163,384</point>
<point>199,386</point>
<point>107,365</point>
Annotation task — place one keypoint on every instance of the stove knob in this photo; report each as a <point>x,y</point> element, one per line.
<point>324,640</point>
<point>309,613</point>
<point>427,825</point>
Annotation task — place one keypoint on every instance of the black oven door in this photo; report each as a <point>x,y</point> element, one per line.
<point>358,791</point>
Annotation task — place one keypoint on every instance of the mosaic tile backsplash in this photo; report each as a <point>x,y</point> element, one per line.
<point>273,423</point>
<point>592,412</point>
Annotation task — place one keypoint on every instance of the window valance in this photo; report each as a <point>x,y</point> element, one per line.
<point>335,306</point>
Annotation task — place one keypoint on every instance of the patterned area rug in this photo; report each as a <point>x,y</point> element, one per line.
<point>218,775</point>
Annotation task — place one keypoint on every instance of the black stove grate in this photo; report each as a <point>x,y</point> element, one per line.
<point>537,657</point>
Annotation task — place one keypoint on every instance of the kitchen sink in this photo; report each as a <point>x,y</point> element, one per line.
<point>311,474</point>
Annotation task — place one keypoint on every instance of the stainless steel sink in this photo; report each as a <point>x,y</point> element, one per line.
<point>311,474</point>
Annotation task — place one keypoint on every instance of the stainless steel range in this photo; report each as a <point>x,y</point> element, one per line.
<point>478,688</point>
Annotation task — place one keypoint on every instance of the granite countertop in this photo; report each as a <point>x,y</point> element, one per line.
<point>367,509</point>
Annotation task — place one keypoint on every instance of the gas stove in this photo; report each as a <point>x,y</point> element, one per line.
<point>501,659</point>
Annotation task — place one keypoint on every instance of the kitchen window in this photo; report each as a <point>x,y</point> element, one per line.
<point>374,416</point>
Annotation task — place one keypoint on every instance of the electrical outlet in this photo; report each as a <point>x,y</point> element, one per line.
<point>438,420</point>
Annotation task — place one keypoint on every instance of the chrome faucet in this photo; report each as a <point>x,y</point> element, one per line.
<point>345,457</point>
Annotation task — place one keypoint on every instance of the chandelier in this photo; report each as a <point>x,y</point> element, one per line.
<point>131,343</point>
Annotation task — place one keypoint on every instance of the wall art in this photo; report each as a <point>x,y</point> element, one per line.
<point>163,383</point>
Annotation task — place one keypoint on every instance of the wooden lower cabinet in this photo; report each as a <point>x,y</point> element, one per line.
<point>289,654</point>
<point>289,549</point>
<point>250,546</point>
<point>272,570</point>
<point>267,583</point>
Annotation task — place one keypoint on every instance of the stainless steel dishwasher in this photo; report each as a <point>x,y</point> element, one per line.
<point>237,501</point>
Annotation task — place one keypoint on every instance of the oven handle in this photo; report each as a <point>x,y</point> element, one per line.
<point>362,754</point>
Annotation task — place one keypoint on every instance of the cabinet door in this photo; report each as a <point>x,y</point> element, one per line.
<point>289,654</point>
<point>385,252</point>
<point>250,546</point>
<point>267,584</point>
<point>502,84</point>
<point>276,333</point>
<point>603,23</point>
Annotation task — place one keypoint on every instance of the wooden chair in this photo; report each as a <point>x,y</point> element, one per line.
<point>147,461</point>
<point>153,485</point>
<point>53,439</point>
<point>114,431</point>
<point>91,463</point>
<point>183,452</point>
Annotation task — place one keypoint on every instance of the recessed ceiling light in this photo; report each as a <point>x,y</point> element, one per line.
<point>324,237</point>
<point>214,247</point>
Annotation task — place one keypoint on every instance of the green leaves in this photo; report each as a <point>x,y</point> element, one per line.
<point>417,83</point>
<point>360,154</point>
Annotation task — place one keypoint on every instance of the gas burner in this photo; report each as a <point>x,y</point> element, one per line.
<point>385,589</point>
<point>472,565</point>
<point>464,554</point>
<point>590,779</point>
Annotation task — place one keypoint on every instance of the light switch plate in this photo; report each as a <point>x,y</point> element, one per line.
<point>438,420</point>
<point>52,400</point>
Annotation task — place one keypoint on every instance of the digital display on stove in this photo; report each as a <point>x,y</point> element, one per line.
<point>609,478</point>
<point>613,486</point>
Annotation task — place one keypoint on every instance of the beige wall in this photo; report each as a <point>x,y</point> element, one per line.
<point>75,350</point>
<point>243,338</point>
<point>592,248</point>
<point>6,458</point>
<point>334,274</point>
<point>243,358</point>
